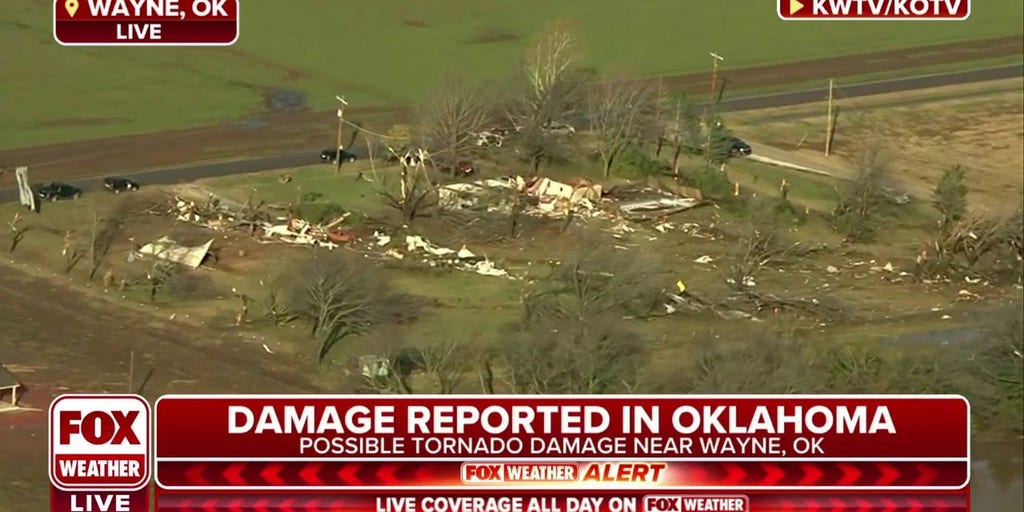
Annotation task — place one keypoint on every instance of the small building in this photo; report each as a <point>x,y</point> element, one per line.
<point>8,383</point>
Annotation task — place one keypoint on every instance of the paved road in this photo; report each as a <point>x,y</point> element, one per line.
<point>194,172</point>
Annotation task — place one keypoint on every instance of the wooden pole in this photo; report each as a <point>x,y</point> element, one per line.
<point>131,371</point>
<point>714,77</point>
<point>829,124</point>
<point>341,124</point>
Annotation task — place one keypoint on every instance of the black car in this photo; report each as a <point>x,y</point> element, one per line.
<point>737,147</point>
<point>56,191</point>
<point>331,156</point>
<point>117,185</point>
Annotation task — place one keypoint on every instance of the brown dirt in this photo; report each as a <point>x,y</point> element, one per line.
<point>80,344</point>
<point>283,131</point>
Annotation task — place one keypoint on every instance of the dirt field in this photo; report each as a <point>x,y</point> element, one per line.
<point>281,131</point>
<point>921,134</point>
<point>81,344</point>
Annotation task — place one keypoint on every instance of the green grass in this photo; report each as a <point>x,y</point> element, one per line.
<point>392,51</point>
<point>344,189</point>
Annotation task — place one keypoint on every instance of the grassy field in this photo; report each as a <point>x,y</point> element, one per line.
<point>389,51</point>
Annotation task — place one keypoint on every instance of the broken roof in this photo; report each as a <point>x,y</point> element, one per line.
<point>7,379</point>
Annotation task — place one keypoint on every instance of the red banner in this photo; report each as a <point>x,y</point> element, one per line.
<point>728,475</point>
<point>572,428</point>
<point>146,23</point>
<point>552,502</point>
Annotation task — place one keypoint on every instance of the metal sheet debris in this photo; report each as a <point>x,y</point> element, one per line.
<point>169,250</point>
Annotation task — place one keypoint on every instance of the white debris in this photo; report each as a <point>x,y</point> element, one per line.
<point>381,239</point>
<point>946,317</point>
<point>413,243</point>
<point>749,281</point>
<point>486,268</point>
<point>831,269</point>
<point>888,267</point>
<point>972,281</point>
<point>465,254</point>
<point>703,259</point>
<point>664,227</point>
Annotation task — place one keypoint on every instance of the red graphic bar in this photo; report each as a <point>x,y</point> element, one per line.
<point>168,23</point>
<point>740,474</point>
<point>874,9</point>
<point>97,501</point>
<point>567,427</point>
<point>550,502</point>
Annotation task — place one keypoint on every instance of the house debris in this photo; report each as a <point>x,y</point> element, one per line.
<point>548,198</point>
<point>463,259</point>
<point>216,215</point>
<point>167,249</point>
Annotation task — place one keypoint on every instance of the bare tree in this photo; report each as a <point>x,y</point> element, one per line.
<point>550,89</point>
<point>339,297</point>
<point>572,338</point>
<point>620,111</point>
<point>452,118</point>
<point>685,130</point>
<point>102,232</point>
<point>859,204</point>
<point>17,231</point>
<point>550,357</point>
<point>412,194</point>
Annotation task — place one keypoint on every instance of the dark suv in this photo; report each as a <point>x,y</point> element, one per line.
<point>331,156</point>
<point>117,185</point>
<point>56,191</point>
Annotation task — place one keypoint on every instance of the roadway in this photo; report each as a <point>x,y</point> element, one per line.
<point>192,172</point>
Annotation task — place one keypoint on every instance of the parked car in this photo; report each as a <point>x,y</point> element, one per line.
<point>117,184</point>
<point>737,147</point>
<point>330,156</point>
<point>56,191</point>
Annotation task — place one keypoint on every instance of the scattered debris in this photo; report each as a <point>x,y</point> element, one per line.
<point>167,249</point>
<point>463,259</point>
<point>703,259</point>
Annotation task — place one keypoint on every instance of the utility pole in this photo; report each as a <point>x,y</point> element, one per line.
<point>829,124</point>
<point>715,59</point>
<point>341,124</point>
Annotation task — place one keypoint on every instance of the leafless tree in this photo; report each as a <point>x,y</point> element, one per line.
<point>411,193</point>
<point>572,338</point>
<point>550,357</point>
<point>103,229</point>
<point>684,131</point>
<point>339,296</point>
<point>551,85</point>
<point>17,231</point>
<point>620,112</point>
<point>859,203</point>
<point>161,276</point>
<point>452,118</point>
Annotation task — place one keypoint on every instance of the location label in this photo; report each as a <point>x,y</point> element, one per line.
<point>874,9</point>
<point>149,23</point>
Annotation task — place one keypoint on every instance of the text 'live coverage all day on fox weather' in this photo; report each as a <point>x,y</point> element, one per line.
<point>290,453</point>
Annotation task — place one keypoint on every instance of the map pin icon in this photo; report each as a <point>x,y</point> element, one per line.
<point>71,6</point>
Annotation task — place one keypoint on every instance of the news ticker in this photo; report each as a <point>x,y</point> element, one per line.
<point>425,453</point>
<point>145,22</point>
